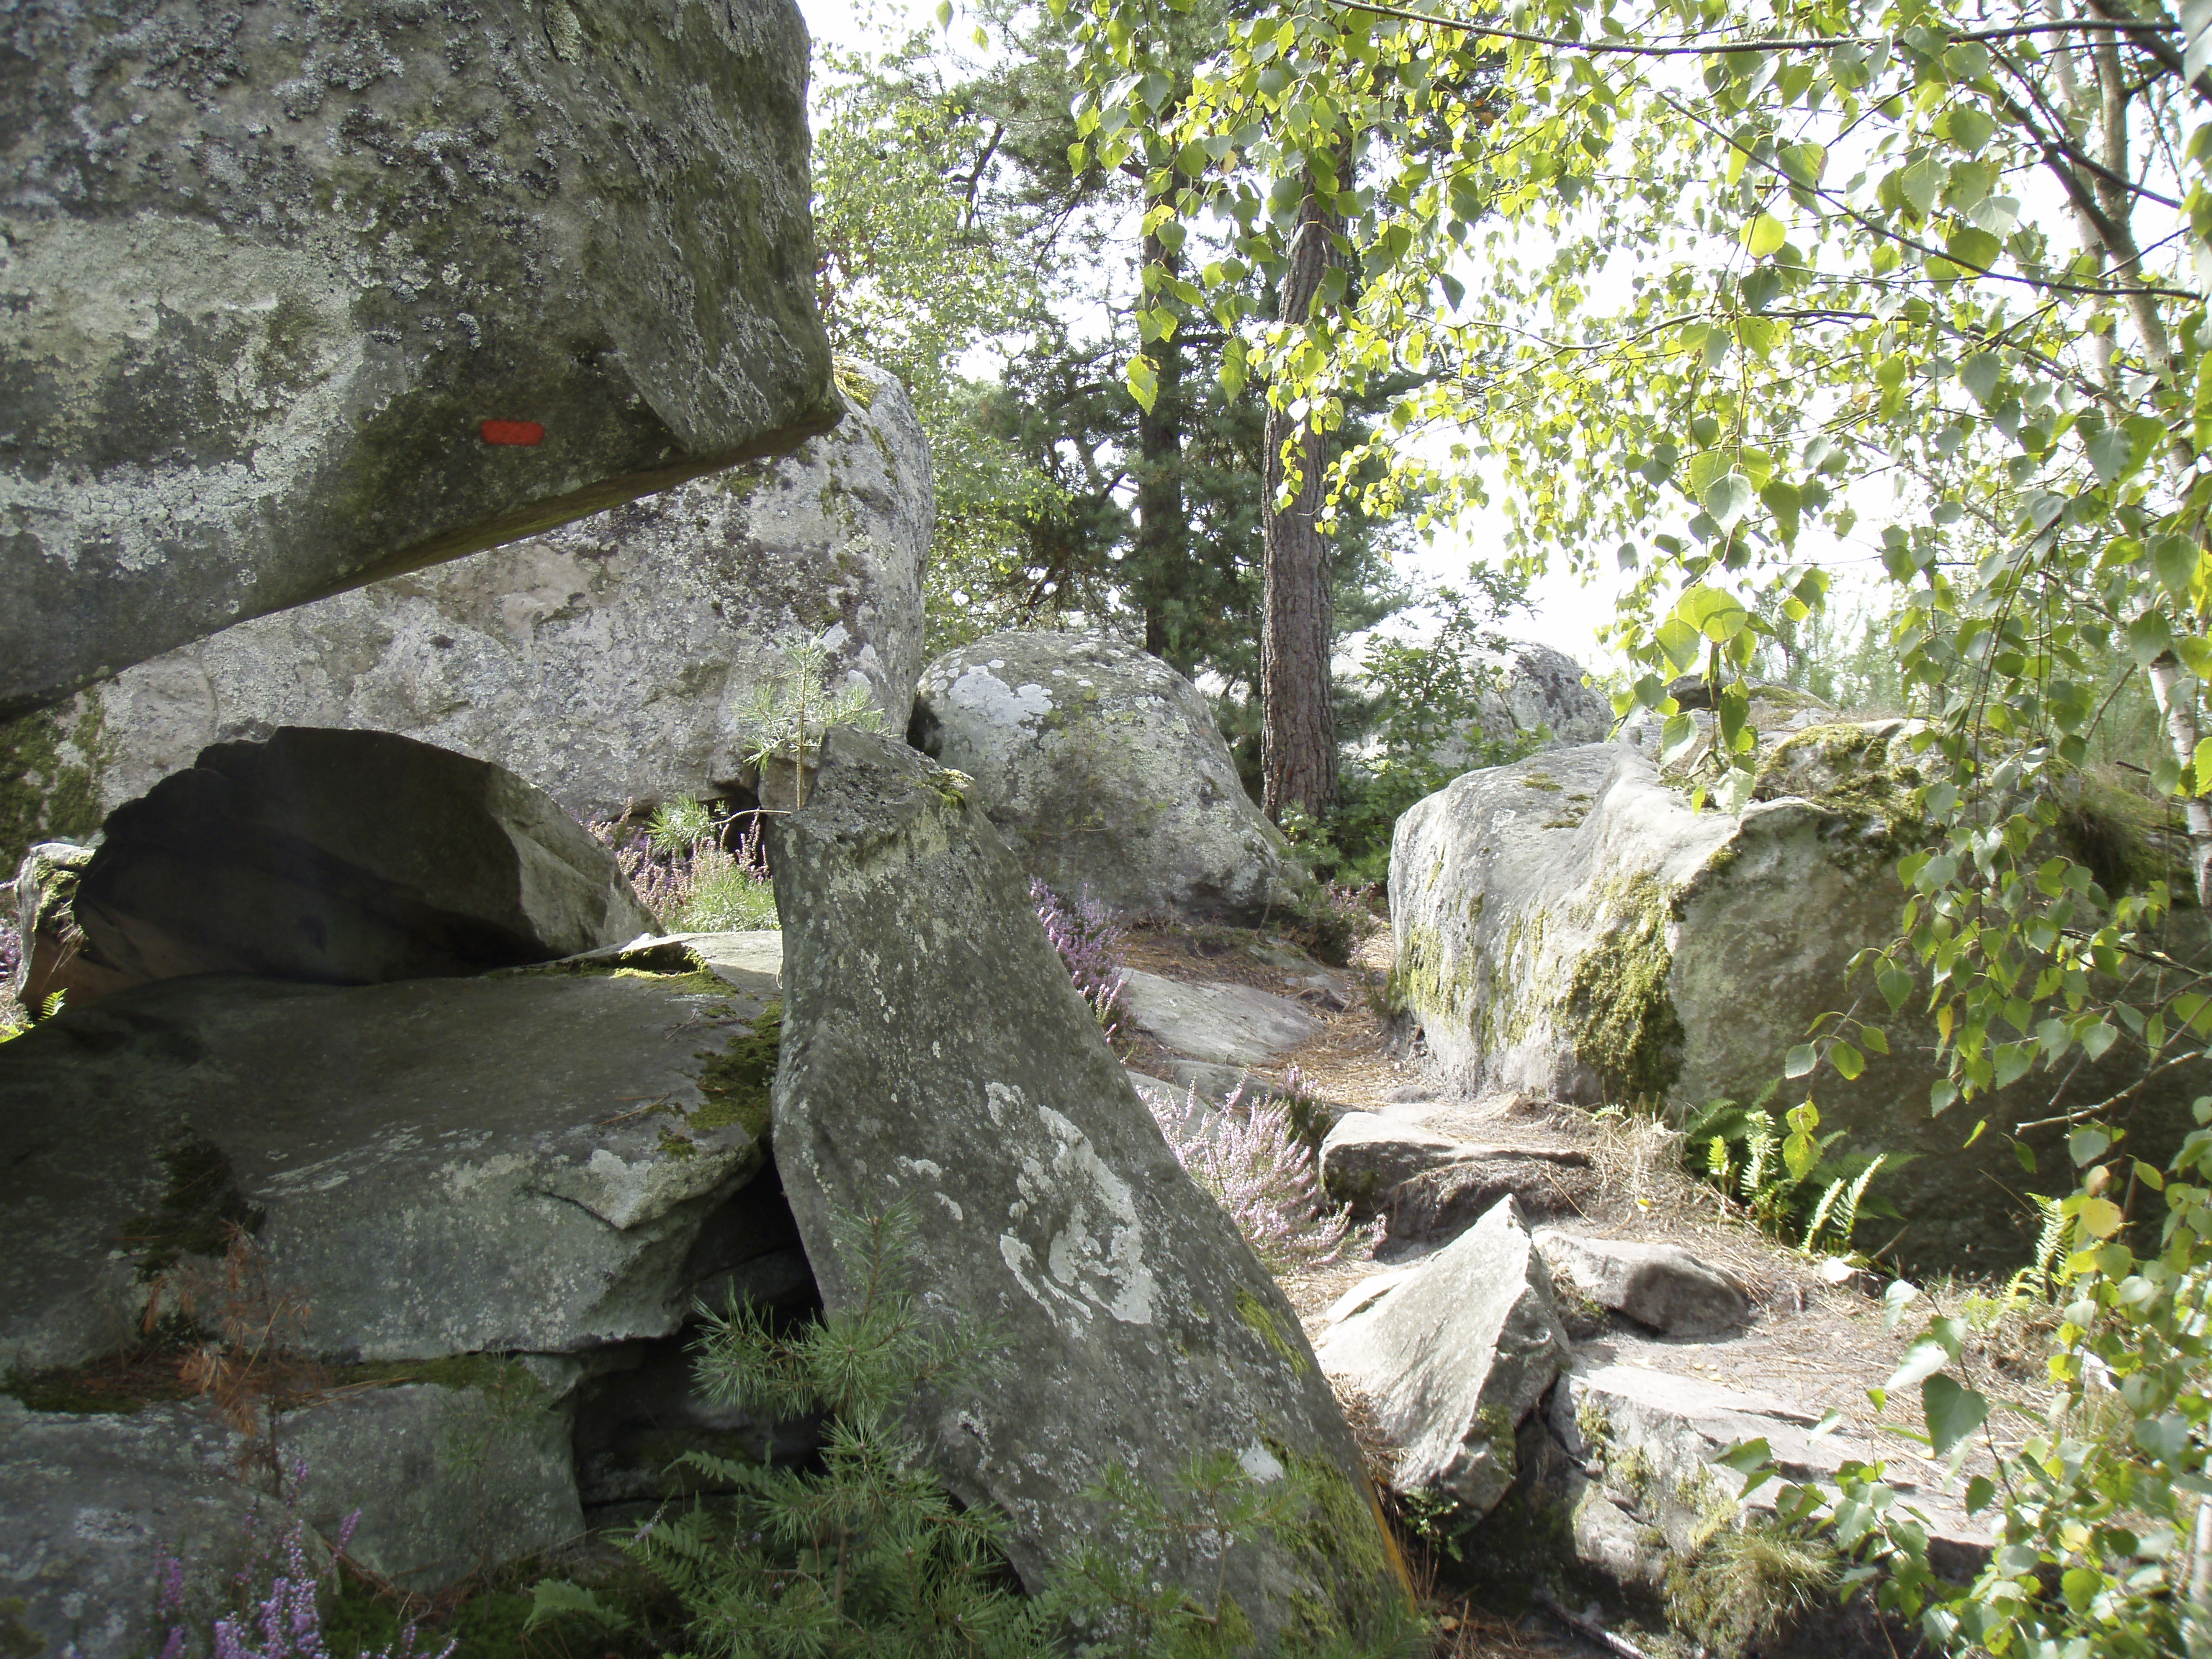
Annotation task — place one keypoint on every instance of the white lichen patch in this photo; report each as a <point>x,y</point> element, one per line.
<point>1081,1215</point>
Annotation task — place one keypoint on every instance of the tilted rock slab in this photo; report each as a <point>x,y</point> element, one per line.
<point>1570,925</point>
<point>1453,1356</point>
<point>1660,1285</point>
<point>1105,770</point>
<point>268,270</point>
<point>608,660</point>
<point>1223,1024</point>
<point>347,857</point>
<point>530,1162</point>
<point>1538,691</point>
<point>935,1054</point>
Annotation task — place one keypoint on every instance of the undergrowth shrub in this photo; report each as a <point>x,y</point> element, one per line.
<point>681,870</point>
<point>1783,1174</point>
<point>1089,939</point>
<point>1253,1161</point>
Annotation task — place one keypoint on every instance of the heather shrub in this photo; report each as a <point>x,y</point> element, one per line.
<point>679,869</point>
<point>278,1610</point>
<point>1254,1162</point>
<point>1089,941</point>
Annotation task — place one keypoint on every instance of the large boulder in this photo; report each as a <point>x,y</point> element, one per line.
<point>1663,1286</point>
<point>1539,693</point>
<point>523,1161</point>
<point>302,296</point>
<point>936,1056</point>
<point>1453,1356</point>
<point>609,660</point>
<point>1571,925</point>
<point>1104,768</point>
<point>348,858</point>
<point>477,1216</point>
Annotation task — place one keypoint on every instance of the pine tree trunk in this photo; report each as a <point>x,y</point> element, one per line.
<point>1161,544</point>
<point>1298,726</point>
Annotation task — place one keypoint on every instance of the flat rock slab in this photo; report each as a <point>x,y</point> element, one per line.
<point>1662,1287</point>
<point>1453,1356</point>
<point>346,857</point>
<point>1365,1154</point>
<point>936,1055</point>
<point>1670,1430</point>
<point>525,1161</point>
<point>263,375</point>
<point>1440,1203</point>
<point>447,1479</point>
<point>1222,1024</point>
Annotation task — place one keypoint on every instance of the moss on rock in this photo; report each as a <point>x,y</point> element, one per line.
<point>52,765</point>
<point>735,1080</point>
<point>1617,998</point>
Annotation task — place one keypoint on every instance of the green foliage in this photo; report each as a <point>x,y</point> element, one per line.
<point>679,825</point>
<point>1783,1173</point>
<point>866,1554</point>
<point>786,712</point>
<point>1744,1581</point>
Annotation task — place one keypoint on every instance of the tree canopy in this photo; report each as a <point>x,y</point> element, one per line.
<point>1694,286</point>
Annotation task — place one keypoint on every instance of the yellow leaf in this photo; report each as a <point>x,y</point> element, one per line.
<point>2100,1217</point>
<point>1763,234</point>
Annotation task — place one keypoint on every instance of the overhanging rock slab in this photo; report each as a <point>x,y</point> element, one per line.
<point>935,1054</point>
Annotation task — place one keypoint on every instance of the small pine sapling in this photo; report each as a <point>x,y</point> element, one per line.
<point>865,1553</point>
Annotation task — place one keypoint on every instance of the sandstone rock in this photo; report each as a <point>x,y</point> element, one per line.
<point>609,660</point>
<point>1660,1285</point>
<point>1569,925</point>
<point>346,857</point>
<point>271,269</point>
<point>449,1478</point>
<point>1540,690</point>
<point>936,1055</point>
<point>53,960</point>
<point>1104,768</point>
<point>1454,1356</point>
<point>1659,1437</point>
<point>1222,1024</point>
<point>1365,1154</point>
<point>1442,1203</point>
<point>536,1161</point>
<point>88,1501</point>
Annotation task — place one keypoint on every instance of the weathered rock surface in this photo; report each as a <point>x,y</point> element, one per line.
<point>448,1477</point>
<point>1539,690</point>
<point>1442,1203</point>
<point>610,660</point>
<point>529,1162</point>
<point>1364,1155</point>
<point>935,1054</point>
<point>1454,1356</point>
<point>271,269</point>
<point>1569,925</point>
<point>87,1503</point>
<point>347,857</point>
<point>1660,1285</point>
<point>1104,768</point>
<point>1660,1435</point>
<point>53,960</point>
<point>1222,1024</point>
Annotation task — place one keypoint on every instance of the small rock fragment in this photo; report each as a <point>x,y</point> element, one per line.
<point>1660,1285</point>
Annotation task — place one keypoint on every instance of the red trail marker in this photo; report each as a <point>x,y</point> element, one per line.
<point>511,432</point>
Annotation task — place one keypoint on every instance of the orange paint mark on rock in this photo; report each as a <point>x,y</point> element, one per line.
<point>511,432</point>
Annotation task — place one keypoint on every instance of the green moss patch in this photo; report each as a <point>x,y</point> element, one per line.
<point>1617,1002</point>
<point>196,1213</point>
<point>1257,1314</point>
<point>51,767</point>
<point>735,1080</point>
